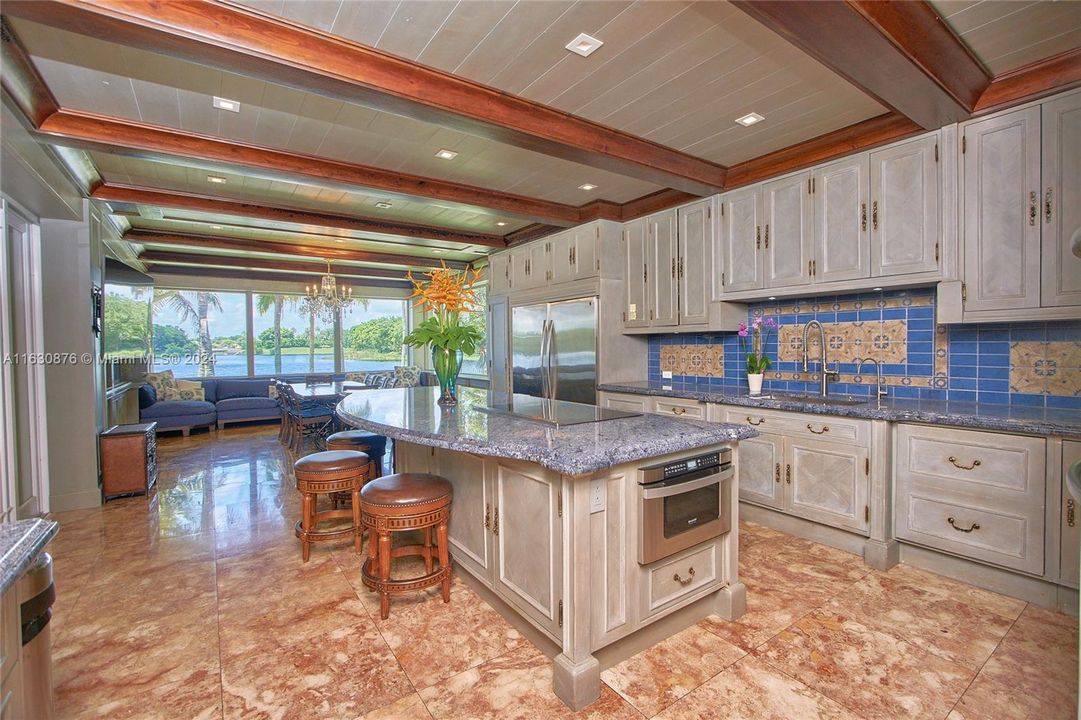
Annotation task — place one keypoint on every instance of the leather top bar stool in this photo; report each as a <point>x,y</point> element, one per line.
<point>328,473</point>
<point>400,503</point>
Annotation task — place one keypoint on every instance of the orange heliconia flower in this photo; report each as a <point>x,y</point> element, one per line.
<point>446,291</point>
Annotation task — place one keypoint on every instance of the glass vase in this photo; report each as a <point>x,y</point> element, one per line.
<point>447,364</point>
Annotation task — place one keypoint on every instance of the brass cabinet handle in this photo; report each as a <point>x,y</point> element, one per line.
<point>874,215</point>
<point>681,267</point>
<point>970,528</point>
<point>570,256</point>
<point>757,237</point>
<point>777,472</point>
<point>688,580</point>
<point>1032,208</point>
<point>1070,505</point>
<point>495,523</point>
<point>825,429</point>
<point>752,422</point>
<point>863,217</point>
<point>673,267</point>
<point>487,516</point>
<point>788,474</point>
<point>678,410</point>
<point>767,236</point>
<point>957,464</point>
<point>1047,206</point>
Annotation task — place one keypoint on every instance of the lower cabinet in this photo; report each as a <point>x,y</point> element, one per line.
<point>630,403</point>
<point>11,680</point>
<point>789,467</point>
<point>1069,521</point>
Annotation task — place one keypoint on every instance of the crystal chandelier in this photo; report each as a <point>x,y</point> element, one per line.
<point>325,299</point>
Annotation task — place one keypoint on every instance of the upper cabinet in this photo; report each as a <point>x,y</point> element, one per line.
<point>696,241</point>
<point>586,252</point>
<point>789,219</point>
<point>741,241</point>
<point>573,253</point>
<point>905,198</point>
<point>636,272</point>
<point>663,258</point>
<point>499,273</point>
<point>842,245</point>
<point>1021,175</point>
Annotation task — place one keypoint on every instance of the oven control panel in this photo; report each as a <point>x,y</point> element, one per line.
<point>677,468</point>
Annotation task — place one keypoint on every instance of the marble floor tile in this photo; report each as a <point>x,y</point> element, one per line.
<point>871,673</point>
<point>771,607</point>
<point>195,698</point>
<point>515,686</point>
<point>944,587</point>
<point>1033,673</point>
<point>410,707</point>
<point>949,628</point>
<point>752,690</point>
<point>658,676</point>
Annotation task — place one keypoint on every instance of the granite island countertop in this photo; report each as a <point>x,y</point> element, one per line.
<point>413,415</point>
<point>1005,418</point>
<point>20,543</point>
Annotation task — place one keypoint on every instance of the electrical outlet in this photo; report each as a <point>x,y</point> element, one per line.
<point>597,495</point>
<point>666,374</point>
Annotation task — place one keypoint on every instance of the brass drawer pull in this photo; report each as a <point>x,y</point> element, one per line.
<point>777,472</point>
<point>957,464</point>
<point>953,524</point>
<point>756,424</point>
<point>688,580</point>
<point>487,516</point>
<point>788,474</point>
<point>678,410</point>
<point>1070,511</point>
<point>825,429</point>
<point>495,523</point>
<point>1032,202</point>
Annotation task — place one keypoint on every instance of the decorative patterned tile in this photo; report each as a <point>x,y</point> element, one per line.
<point>848,342</point>
<point>1048,368</point>
<point>697,360</point>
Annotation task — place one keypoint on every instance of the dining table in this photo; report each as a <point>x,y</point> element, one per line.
<point>327,392</point>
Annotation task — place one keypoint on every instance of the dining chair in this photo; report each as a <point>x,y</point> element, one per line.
<point>306,418</point>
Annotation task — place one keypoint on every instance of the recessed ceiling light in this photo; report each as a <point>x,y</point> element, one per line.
<point>223,104</point>
<point>445,154</point>
<point>501,224</point>
<point>437,251</point>
<point>751,119</point>
<point>104,82</point>
<point>587,186</point>
<point>338,240</point>
<point>772,297</point>
<point>876,288</point>
<point>215,179</point>
<point>584,45</point>
<point>383,205</point>
<point>215,227</point>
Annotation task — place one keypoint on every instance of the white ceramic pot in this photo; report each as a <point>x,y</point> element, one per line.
<point>754,382</point>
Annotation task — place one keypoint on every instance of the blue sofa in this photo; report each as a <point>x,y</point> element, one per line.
<point>228,400</point>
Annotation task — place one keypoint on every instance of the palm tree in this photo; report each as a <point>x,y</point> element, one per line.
<point>196,313</point>
<point>264,303</point>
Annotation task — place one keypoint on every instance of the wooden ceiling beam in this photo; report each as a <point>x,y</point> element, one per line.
<point>237,274</point>
<point>1032,82</point>
<point>222,206</point>
<point>144,237</point>
<point>126,137</point>
<point>157,257</point>
<point>244,41</point>
<point>900,53</point>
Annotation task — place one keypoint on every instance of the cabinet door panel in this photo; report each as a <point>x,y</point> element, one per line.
<point>499,344</point>
<point>761,470</point>
<point>562,256</point>
<point>519,268</point>
<point>529,544</point>
<point>829,483</point>
<point>586,240</point>
<point>663,252</point>
<point>695,267</point>
<point>498,273</point>
<point>905,195</point>
<point>788,234</point>
<point>842,243</point>
<point>741,239</point>
<point>636,312</point>
<point>1001,192</point>
<point>1070,559</point>
<point>472,508</point>
<point>1061,211</point>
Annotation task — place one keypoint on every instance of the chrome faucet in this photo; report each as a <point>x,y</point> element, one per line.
<point>827,375</point>
<point>880,388</point>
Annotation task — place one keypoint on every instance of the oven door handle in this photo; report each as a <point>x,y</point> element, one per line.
<point>679,488</point>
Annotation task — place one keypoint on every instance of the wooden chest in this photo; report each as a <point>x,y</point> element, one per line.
<point>129,461</point>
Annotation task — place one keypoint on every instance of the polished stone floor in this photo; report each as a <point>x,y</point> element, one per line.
<point>194,604</point>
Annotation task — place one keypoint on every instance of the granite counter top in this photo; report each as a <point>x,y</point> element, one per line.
<point>412,415</point>
<point>20,543</point>
<point>1006,418</point>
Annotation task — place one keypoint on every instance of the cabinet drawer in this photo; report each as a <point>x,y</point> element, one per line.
<point>680,408</point>
<point>10,629</point>
<point>674,578</point>
<point>1012,539</point>
<point>630,403</point>
<point>803,425</point>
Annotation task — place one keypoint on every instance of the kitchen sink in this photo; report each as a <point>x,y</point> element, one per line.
<point>817,399</point>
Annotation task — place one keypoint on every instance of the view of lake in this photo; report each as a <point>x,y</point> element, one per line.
<point>234,365</point>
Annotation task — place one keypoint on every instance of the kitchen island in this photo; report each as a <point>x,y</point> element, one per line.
<point>550,517</point>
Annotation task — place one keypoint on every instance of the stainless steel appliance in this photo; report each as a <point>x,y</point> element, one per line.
<point>554,350</point>
<point>36,594</point>
<point>682,503</point>
<point>559,413</point>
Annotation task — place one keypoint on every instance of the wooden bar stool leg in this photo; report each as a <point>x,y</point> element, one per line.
<point>428,555</point>
<point>358,530</point>
<point>384,572</point>
<point>307,517</point>
<point>444,559</point>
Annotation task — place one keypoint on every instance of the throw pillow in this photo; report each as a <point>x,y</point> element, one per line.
<point>189,390</point>
<point>358,377</point>
<point>164,384</point>
<point>406,375</point>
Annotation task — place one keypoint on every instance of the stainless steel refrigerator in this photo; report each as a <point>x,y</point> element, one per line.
<point>554,350</point>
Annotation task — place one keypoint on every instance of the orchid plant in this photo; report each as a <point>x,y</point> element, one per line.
<point>758,332</point>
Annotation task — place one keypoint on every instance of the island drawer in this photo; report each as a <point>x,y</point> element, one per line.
<point>977,494</point>
<point>671,579</point>
<point>801,425</point>
<point>679,407</point>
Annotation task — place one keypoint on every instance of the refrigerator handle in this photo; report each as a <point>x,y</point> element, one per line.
<point>546,375</point>
<point>553,372</point>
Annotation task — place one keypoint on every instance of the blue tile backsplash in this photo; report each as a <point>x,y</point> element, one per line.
<point>1030,363</point>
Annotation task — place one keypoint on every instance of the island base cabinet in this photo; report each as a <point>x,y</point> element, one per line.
<point>471,508</point>
<point>761,466</point>
<point>1070,522</point>
<point>829,483</point>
